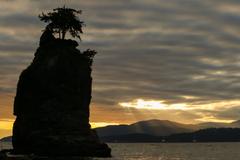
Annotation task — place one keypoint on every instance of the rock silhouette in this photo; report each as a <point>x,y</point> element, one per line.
<point>52,103</point>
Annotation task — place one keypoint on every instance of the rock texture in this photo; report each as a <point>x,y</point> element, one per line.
<point>52,103</point>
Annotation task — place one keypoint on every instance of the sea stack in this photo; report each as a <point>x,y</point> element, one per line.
<point>52,103</point>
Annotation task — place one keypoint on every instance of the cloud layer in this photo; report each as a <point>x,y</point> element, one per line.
<point>179,51</point>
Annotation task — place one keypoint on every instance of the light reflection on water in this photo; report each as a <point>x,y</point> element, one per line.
<point>168,151</point>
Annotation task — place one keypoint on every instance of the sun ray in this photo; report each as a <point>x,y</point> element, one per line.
<point>153,105</point>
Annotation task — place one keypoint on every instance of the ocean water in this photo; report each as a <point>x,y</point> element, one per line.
<point>170,151</point>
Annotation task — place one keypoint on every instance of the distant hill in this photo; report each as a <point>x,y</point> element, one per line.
<point>212,125</point>
<point>208,135</point>
<point>235,124</point>
<point>150,127</point>
<point>132,138</point>
<point>6,139</point>
<point>204,135</point>
<point>152,130</point>
<point>160,128</point>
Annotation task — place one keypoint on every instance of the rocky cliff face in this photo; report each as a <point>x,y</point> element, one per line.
<point>52,103</point>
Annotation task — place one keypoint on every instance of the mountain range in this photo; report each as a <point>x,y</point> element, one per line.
<point>156,127</point>
<point>202,135</point>
<point>151,130</point>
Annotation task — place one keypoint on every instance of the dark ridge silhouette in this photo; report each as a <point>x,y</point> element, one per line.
<point>53,97</point>
<point>208,135</point>
<point>132,138</point>
<point>151,127</point>
<point>203,135</point>
<point>6,139</point>
<point>160,128</point>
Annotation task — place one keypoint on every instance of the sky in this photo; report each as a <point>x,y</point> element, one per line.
<point>173,60</point>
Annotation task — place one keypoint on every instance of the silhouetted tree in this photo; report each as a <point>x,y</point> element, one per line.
<point>90,54</point>
<point>62,20</point>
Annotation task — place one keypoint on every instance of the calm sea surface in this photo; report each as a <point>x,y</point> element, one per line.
<point>171,151</point>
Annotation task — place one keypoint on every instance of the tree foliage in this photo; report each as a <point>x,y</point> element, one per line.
<point>63,20</point>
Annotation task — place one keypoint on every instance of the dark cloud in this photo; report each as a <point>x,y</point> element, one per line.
<point>149,49</point>
<point>19,20</point>
<point>230,113</point>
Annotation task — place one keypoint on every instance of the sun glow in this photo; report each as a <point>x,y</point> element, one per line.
<point>214,119</point>
<point>153,104</point>
<point>6,124</point>
<point>101,124</point>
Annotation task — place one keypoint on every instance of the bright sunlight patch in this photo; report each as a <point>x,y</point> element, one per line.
<point>153,104</point>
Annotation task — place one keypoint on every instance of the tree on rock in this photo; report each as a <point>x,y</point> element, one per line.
<point>63,20</point>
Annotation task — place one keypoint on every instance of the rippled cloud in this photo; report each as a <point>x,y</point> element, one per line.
<point>178,51</point>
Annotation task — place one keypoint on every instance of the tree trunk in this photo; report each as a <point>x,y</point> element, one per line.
<point>63,34</point>
<point>59,33</point>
